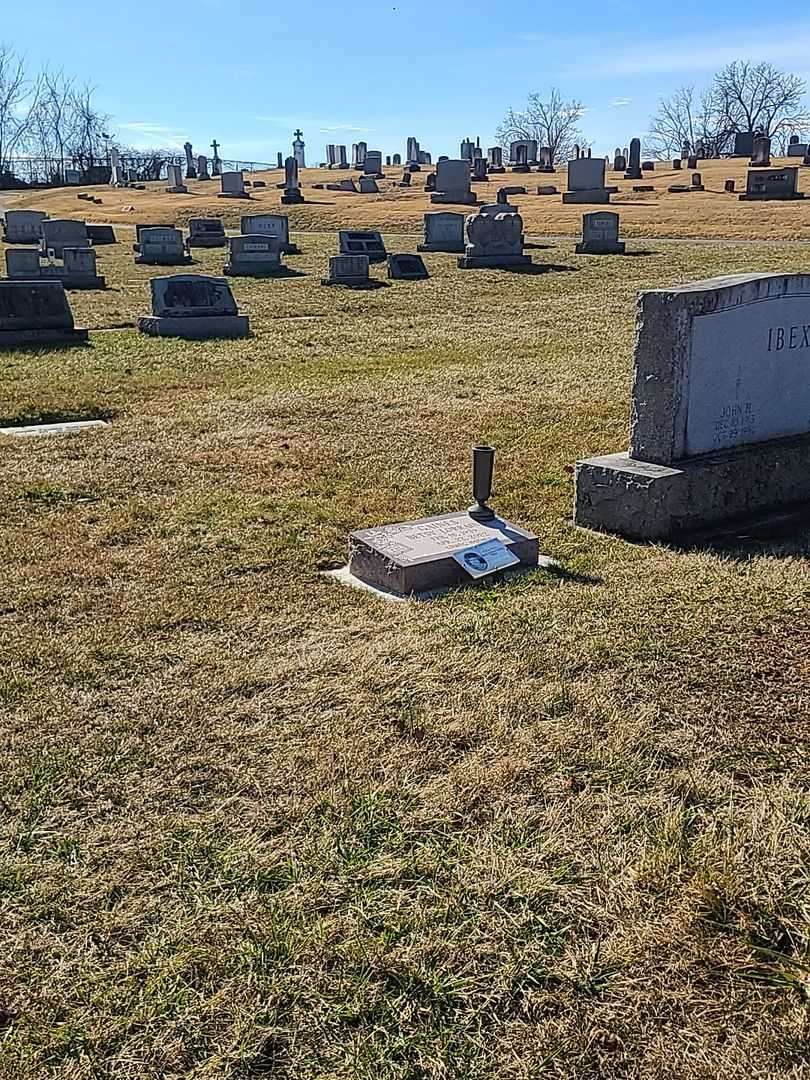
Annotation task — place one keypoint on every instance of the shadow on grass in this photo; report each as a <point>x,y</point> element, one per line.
<point>781,534</point>
<point>364,287</point>
<point>31,415</point>
<point>539,268</point>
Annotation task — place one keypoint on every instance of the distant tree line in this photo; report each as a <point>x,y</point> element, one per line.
<point>743,97</point>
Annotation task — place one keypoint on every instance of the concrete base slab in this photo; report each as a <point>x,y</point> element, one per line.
<point>446,198</point>
<point>151,260</point>
<point>233,195</point>
<point>772,198</point>
<point>344,576</point>
<point>492,262</point>
<point>238,271</point>
<point>292,200</point>
<point>450,249</point>
<point>597,196</point>
<point>592,247</point>
<point>84,282</point>
<point>644,501</point>
<point>68,427</point>
<point>197,328</point>
<point>12,339</point>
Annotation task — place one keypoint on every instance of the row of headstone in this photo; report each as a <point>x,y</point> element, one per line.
<point>336,156</point>
<point>76,270</point>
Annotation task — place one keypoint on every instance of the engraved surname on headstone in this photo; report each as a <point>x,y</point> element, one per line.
<point>426,539</point>
<point>750,375</point>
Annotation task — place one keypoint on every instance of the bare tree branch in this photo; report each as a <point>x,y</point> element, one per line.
<point>553,123</point>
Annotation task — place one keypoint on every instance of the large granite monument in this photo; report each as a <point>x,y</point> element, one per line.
<point>193,307</point>
<point>34,313</point>
<point>720,417</point>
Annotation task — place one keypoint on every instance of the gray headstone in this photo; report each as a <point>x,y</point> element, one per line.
<point>347,270</point>
<point>407,268</point>
<point>193,307</point>
<point>366,242</point>
<point>444,231</point>
<point>23,226</point>
<point>36,313</point>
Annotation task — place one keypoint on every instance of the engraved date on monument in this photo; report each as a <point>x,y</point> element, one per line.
<point>736,423</point>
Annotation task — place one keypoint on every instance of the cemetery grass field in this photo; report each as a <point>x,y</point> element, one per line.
<point>711,214</point>
<point>256,824</point>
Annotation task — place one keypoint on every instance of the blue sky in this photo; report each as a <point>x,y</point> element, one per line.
<point>248,73</point>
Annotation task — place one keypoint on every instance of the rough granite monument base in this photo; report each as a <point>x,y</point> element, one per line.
<point>493,262</point>
<point>600,247</point>
<point>233,195</point>
<point>458,198</point>
<point>11,339</point>
<point>643,501</point>
<point>195,328</point>
<point>415,557</point>
<point>292,200</point>
<point>598,196</point>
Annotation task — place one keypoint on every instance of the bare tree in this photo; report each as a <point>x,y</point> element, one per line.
<point>686,119</point>
<point>553,123</point>
<point>18,100</point>
<point>758,97</point>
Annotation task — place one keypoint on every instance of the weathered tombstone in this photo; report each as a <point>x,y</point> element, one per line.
<point>368,185</point>
<point>495,159</point>
<point>729,186</point>
<point>388,160</point>
<point>206,233</point>
<point>350,270</point>
<point>78,269</point>
<point>175,184</point>
<point>697,182</point>
<point>677,164</point>
<point>116,169</point>
<point>191,168</point>
<point>366,242</point>
<point>648,166</point>
<point>407,268</point>
<point>72,177</point>
<point>444,231</point>
<point>331,155</point>
<point>479,172</point>
<point>298,147</point>
<point>23,226</point>
<point>277,225</point>
<point>36,313</point>
<point>57,234</point>
<point>494,240</point>
<point>372,164</point>
<point>340,151</point>
<point>396,159</point>
<point>546,159</point>
<point>193,307</point>
<point>743,144</point>
<point>619,163</point>
<point>797,149</point>
<point>600,234</point>
<point>406,179</point>
<point>233,186</point>
<point>22,264</point>
<point>453,183</point>
<point>101,235</point>
<point>720,423</point>
<point>412,154</point>
<point>586,181</point>
<point>258,255</point>
<point>292,185</point>
<point>634,164</point>
<point>430,554</point>
<point>761,157</point>
<point>430,182</point>
<point>202,168</point>
<point>161,246</point>
<point>546,189</point>
<point>522,154</point>
<point>776,184</point>
<point>279,160</point>
<point>691,161</point>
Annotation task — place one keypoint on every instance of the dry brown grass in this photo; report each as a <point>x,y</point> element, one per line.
<point>711,214</point>
<point>254,824</point>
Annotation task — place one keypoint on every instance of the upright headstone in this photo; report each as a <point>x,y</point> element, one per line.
<point>331,155</point>
<point>292,185</point>
<point>57,234</point>
<point>495,159</point>
<point>761,157</point>
<point>720,424</point>
<point>216,163</point>
<point>586,181</point>
<point>743,144</point>
<point>546,159</point>
<point>116,169</point>
<point>368,185</point>
<point>206,233</point>
<point>467,149</point>
<point>277,225</point>
<point>202,168</point>
<point>23,226</point>
<point>233,186</point>
<point>780,185</point>
<point>279,160</point>
<point>191,168</point>
<point>600,234</point>
<point>619,163</point>
<point>634,164</point>
<point>36,313</point>
<point>397,160</point>
<point>453,183</point>
<point>340,151</point>
<point>193,307</point>
<point>298,147</point>
<point>348,270</point>
<point>494,240</point>
<point>372,164</point>
<point>479,172</point>
<point>257,255</point>
<point>444,231</point>
<point>412,154</point>
<point>175,185</point>
<point>161,245</point>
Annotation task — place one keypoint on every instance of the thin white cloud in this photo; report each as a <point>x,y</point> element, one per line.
<point>620,102</point>
<point>146,134</point>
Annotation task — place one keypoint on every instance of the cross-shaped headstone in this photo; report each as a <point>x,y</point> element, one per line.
<point>298,133</point>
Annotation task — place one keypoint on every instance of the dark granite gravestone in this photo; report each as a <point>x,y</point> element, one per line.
<point>161,246</point>
<point>362,242</point>
<point>255,256</point>
<point>634,164</point>
<point>36,313</point>
<point>206,233</point>
<point>600,234</point>
<point>99,235</point>
<point>743,144</point>
<point>193,307</point>
<point>777,184</point>
<point>348,270</point>
<point>761,157</point>
<point>729,186</point>
<point>430,554</point>
<point>407,268</point>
